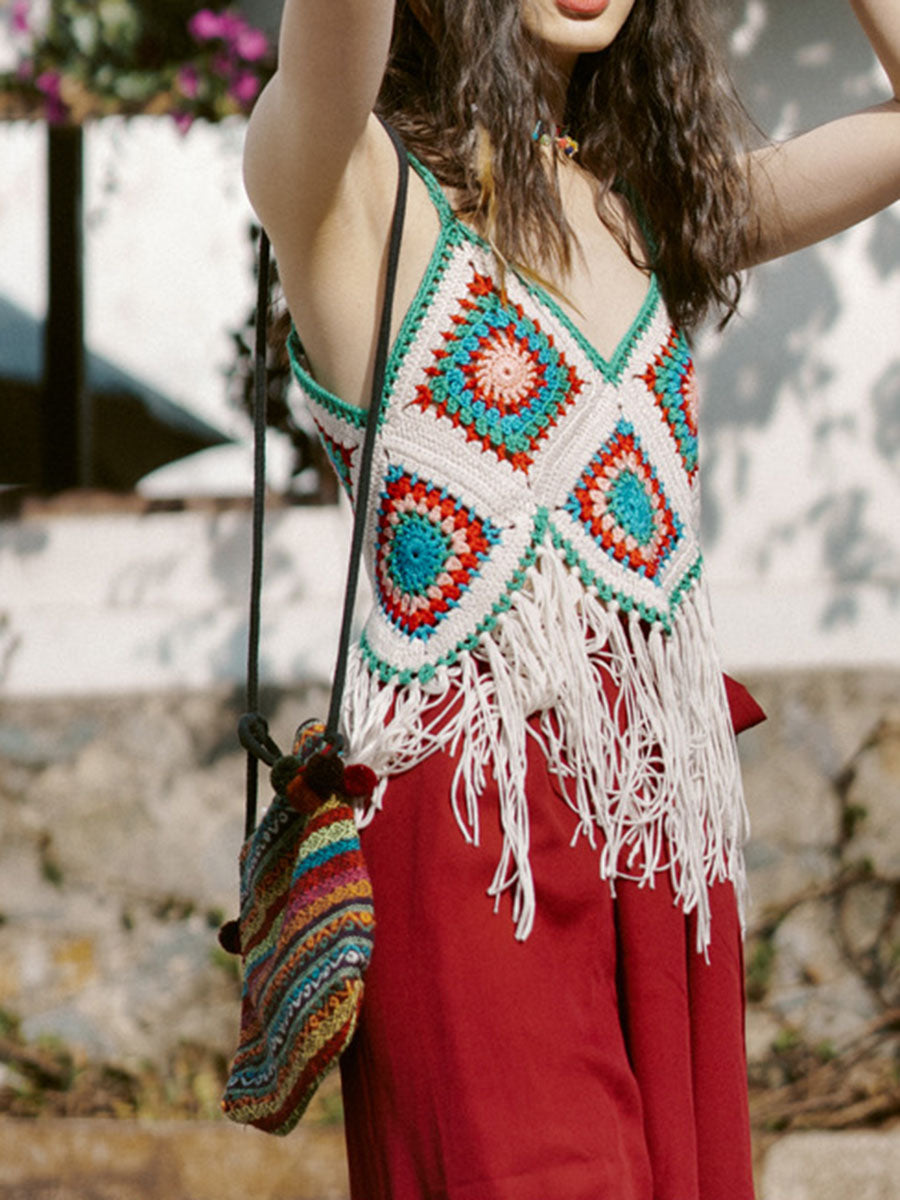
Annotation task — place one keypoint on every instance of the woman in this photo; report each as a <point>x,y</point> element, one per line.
<point>539,667</point>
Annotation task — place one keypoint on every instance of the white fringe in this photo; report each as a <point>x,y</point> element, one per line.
<point>656,770</point>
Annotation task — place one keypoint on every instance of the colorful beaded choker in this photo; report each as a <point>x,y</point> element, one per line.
<point>560,138</point>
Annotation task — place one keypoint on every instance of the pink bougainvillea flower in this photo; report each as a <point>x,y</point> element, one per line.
<point>244,88</point>
<point>188,81</point>
<point>183,121</point>
<point>223,66</point>
<point>50,83</point>
<point>21,22</point>
<point>251,45</point>
<point>231,26</point>
<point>205,25</point>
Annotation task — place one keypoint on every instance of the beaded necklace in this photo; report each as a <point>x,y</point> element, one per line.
<point>560,138</point>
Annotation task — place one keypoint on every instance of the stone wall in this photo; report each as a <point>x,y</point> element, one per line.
<point>120,821</point>
<point>823,782</point>
<point>823,951</point>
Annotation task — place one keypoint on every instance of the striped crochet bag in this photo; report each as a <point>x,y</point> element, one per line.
<point>305,935</point>
<point>306,921</point>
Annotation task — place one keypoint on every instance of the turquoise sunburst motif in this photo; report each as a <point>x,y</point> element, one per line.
<point>498,376</point>
<point>631,506</point>
<point>620,501</point>
<point>430,547</point>
<point>418,553</point>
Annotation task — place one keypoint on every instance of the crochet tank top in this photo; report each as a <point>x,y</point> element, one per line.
<point>533,548</point>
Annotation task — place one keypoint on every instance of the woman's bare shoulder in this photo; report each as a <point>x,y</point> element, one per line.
<point>333,280</point>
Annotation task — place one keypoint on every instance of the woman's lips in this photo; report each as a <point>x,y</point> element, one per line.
<point>583,8</point>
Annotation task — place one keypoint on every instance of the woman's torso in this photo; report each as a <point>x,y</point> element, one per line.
<point>532,537</point>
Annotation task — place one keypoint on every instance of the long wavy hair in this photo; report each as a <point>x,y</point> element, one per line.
<point>655,116</point>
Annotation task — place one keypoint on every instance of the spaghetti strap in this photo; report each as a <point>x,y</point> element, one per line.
<point>435,192</point>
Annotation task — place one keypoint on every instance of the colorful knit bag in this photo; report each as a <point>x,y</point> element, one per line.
<point>306,921</point>
<point>305,935</point>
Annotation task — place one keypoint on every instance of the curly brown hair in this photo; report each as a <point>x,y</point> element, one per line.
<point>655,116</point>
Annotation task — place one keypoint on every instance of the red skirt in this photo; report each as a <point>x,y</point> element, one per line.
<point>601,1059</point>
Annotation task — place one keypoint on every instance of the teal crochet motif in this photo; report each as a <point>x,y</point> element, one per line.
<point>418,553</point>
<point>621,502</point>
<point>429,549</point>
<point>670,377</point>
<point>632,507</point>
<point>498,376</point>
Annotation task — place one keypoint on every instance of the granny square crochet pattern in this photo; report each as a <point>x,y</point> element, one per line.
<point>498,375</point>
<point>340,457</point>
<point>621,502</point>
<point>670,377</point>
<point>533,543</point>
<point>430,548</point>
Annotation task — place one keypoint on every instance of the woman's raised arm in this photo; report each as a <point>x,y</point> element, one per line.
<point>313,117</point>
<point>826,180</point>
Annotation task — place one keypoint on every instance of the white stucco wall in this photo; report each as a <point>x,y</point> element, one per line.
<point>168,258</point>
<point>801,439</point>
<point>120,602</point>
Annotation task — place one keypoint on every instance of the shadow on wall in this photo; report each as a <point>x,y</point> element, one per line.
<point>795,348</point>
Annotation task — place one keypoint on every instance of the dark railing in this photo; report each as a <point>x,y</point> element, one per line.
<point>65,425</point>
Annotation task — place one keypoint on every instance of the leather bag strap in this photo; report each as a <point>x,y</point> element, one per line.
<point>253,729</point>
<point>332,734</point>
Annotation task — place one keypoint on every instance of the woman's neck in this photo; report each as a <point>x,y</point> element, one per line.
<point>555,84</point>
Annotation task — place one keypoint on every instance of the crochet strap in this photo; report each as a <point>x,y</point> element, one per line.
<point>253,730</point>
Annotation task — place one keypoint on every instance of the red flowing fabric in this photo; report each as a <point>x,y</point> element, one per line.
<point>601,1059</point>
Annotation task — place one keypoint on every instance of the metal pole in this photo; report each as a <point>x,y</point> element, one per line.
<point>65,411</point>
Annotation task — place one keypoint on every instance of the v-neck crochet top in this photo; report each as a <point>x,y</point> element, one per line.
<point>533,547</point>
